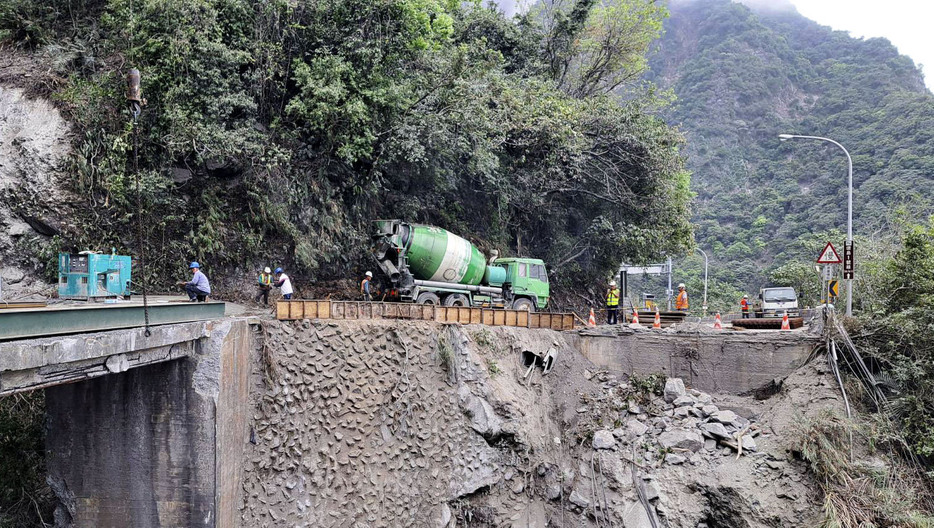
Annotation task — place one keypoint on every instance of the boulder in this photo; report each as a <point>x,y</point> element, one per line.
<point>749,443</point>
<point>675,459</point>
<point>681,439</point>
<point>674,389</point>
<point>716,430</point>
<point>636,428</point>
<point>724,417</point>
<point>578,500</point>
<point>709,409</point>
<point>603,440</point>
<point>683,401</point>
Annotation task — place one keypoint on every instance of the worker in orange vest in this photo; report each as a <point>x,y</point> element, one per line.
<point>744,305</point>
<point>681,303</point>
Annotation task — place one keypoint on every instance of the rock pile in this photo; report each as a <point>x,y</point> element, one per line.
<point>685,426</point>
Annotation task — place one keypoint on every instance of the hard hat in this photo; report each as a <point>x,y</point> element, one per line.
<point>681,285</point>
<point>612,283</point>
<point>194,265</point>
<point>278,270</point>
<point>369,274</point>
<point>267,270</point>
<point>745,296</point>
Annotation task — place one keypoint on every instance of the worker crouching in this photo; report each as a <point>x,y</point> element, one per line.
<point>198,288</point>
<point>612,304</point>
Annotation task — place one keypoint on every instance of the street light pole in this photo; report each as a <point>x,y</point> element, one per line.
<point>705,279</point>
<point>849,214</point>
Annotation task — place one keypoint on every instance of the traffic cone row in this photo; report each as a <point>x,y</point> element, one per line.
<point>785,325</point>
<point>592,321</point>
<point>658,320</point>
<point>635,317</point>
<point>717,324</point>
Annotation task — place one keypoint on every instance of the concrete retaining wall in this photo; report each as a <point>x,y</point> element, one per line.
<point>724,362</point>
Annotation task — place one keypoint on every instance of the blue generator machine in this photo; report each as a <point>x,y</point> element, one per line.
<point>89,276</point>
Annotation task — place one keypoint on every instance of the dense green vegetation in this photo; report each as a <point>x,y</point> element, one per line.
<point>763,206</point>
<point>275,131</point>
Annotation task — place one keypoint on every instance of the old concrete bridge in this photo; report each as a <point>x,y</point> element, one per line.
<point>150,430</point>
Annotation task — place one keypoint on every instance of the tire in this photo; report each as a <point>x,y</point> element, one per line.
<point>456,299</point>
<point>523,304</point>
<point>427,298</point>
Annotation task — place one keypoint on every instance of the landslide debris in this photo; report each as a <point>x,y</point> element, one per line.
<point>384,423</point>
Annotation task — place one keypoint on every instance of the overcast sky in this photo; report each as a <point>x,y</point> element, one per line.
<point>908,24</point>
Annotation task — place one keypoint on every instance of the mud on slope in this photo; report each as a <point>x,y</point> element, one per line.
<point>35,141</point>
<point>419,424</point>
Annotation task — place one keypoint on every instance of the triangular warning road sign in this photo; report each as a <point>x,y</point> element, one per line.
<point>829,255</point>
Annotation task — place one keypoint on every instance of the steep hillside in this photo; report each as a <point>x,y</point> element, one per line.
<point>274,134</point>
<point>742,77</point>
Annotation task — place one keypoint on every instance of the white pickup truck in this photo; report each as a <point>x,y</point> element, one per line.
<point>775,302</point>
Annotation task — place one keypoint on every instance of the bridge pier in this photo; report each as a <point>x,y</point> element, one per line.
<point>155,446</point>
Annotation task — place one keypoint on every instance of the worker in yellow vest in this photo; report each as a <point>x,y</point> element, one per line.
<point>264,283</point>
<point>681,303</point>
<point>612,303</point>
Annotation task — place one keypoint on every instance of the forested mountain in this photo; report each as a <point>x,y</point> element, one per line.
<point>276,131</point>
<point>742,76</point>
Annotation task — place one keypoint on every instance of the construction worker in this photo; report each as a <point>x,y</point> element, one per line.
<point>264,285</point>
<point>612,303</point>
<point>198,288</point>
<point>284,282</point>
<point>681,303</point>
<point>744,306</point>
<point>365,286</point>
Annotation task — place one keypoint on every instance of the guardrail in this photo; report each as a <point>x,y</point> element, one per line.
<point>314,309</point>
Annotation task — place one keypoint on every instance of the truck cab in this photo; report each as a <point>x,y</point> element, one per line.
<point>775,302</point>
<point>528,282</point>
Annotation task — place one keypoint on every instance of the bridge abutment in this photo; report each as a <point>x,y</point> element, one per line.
<point>158,445</point>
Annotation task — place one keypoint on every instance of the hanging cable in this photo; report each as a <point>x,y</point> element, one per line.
<point>135,101</point>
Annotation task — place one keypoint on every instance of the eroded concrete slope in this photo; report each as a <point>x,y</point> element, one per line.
<point>420,424</point>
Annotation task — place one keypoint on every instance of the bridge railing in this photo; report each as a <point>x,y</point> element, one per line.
<point>289,310</point>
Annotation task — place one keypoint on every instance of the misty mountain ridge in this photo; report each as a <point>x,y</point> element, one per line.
<point>744,75</point>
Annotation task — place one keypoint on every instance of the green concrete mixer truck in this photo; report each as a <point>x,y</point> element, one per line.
<point>428,265</point>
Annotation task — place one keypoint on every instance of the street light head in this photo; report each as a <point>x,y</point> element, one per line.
<point>784,137</point>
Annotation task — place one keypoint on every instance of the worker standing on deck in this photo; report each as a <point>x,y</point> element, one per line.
<point>198,288</point>
<point>744,306</point>
<point>284,282</point>
<point>612,303</point>
<point>681,303</point>
<point>264,285</point>
<point>365,287</point>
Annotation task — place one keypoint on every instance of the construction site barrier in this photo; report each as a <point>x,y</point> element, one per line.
<point>290,310</point>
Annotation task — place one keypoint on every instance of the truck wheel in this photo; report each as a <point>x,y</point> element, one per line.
<point>523,304</point>
<point>427,298</point>
<point>456,299</point>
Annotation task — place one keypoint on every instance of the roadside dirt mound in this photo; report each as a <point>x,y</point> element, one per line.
<point>385,423</point>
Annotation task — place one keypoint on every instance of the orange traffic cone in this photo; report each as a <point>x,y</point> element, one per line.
<point>635,317</point>
<point>658,320</point>
<point>785,325</point>
<point>592,321</point>
<point>717,324</point>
